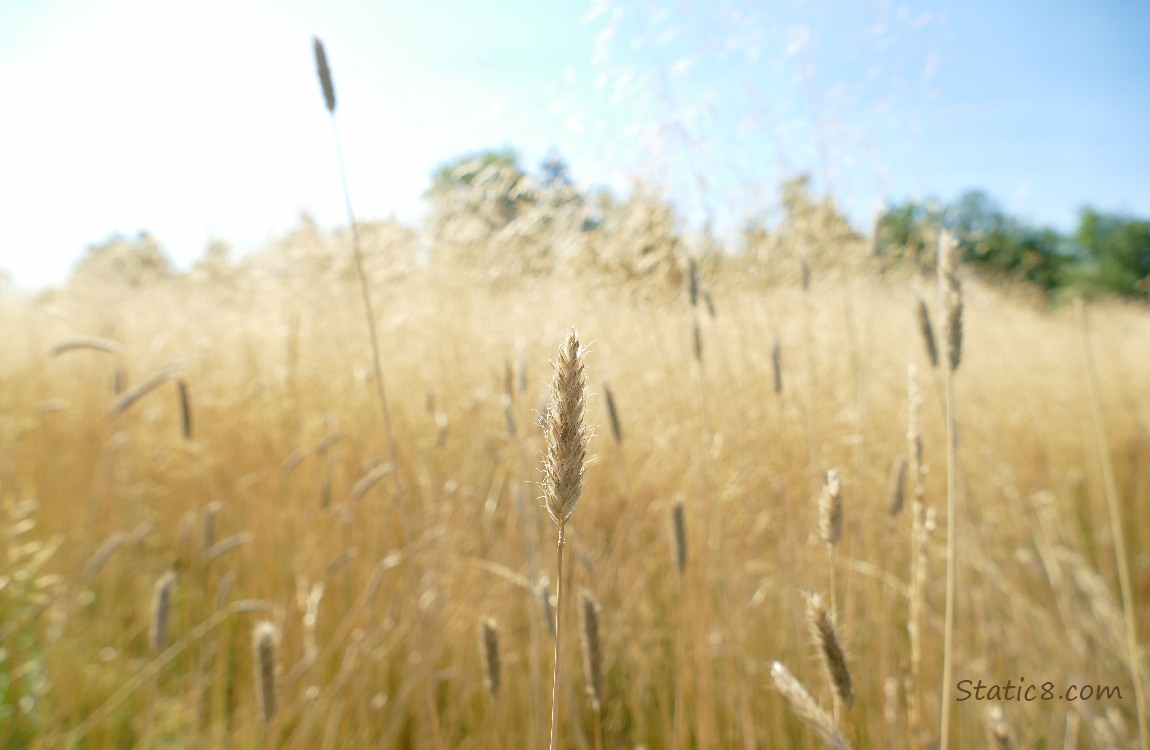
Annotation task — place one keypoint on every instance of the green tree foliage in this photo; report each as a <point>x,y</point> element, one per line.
<point>1005,247</point>
<point>906,230</point>
<point>1107,253</point>
<point>1115,254</point>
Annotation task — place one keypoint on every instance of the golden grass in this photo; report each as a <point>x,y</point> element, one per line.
<point>1039,597</point>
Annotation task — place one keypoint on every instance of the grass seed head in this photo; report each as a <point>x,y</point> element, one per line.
<point>324,74</point>
<point>679,530</point>
<point>824,634</point>
<point>185,408</point>
<point>613,414</point>
<point>950,292</point>
<point>927,331</point>
<point>806,709</point>
<point>777,364</point>
<point>264,637</point>
<point>898,490</point>
<point>489,647</point>
<point>162,610</point>
<point>565,457</point>
<point>831,509</point>
<point>592,648</point>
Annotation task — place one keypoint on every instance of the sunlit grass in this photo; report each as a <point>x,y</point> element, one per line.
<point>286,424</point>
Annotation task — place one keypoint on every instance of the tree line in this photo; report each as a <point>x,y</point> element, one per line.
<point>488,210</point>
<point>1107,253</point>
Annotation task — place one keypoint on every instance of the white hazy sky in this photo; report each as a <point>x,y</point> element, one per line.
<point>204,120</point>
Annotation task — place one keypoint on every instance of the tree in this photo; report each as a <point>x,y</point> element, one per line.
<point>476,195</point>
<point>118,260</point>
<point>1116,251</point>
<point>993,242</point>
<point>554,172</point>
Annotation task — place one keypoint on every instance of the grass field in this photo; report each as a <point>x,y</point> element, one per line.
<point>273,499</point>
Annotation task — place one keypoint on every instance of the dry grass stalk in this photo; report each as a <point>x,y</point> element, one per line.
<point>592,649</point>
<point>185,409</point>
<point>187,528</point>
<point>155,666</point>
<point>890,705</point>
<point>292,461</point>
<point>93,343</point>
<point>328,86</point>
<point>876,230</point>
<point>927,331</point>
<point>442,429</point>
<point>508,414</point>
<point>679,530</point>
<point>951,303</point>
<point>548,606</point>
<point>137,535</point>
<point>898,493</point>
<point>698,339</point>
<point>225,546</point>
<point>53,405</point>
<point>369,480</point>
<point>329,442</point>
<point>133,395</point>
<point>709,302</point>
<point>913,432</point>
<point>831,509</point>
<point>564,461</point>
<point>161,611</point>
<point>489,647</point>
<point>612,414</point>
<point>224,589</point>
<point>324,72</point>
<point>1114,512</point>
<point>835,663</point>
<point>777,364</point>
<point>344,558</point>
<point>101,555</point>
<point>264,637</point>
<point>923,527</point>
<point>806,709</point>
<point>211,511</point>
<point>119,380</point>
<point>693,281</point>
<point>310,621</point>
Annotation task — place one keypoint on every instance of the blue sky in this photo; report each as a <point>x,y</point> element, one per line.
<point>205,120</point>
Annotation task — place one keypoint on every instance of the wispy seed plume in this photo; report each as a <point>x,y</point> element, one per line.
<point>565,458</point>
